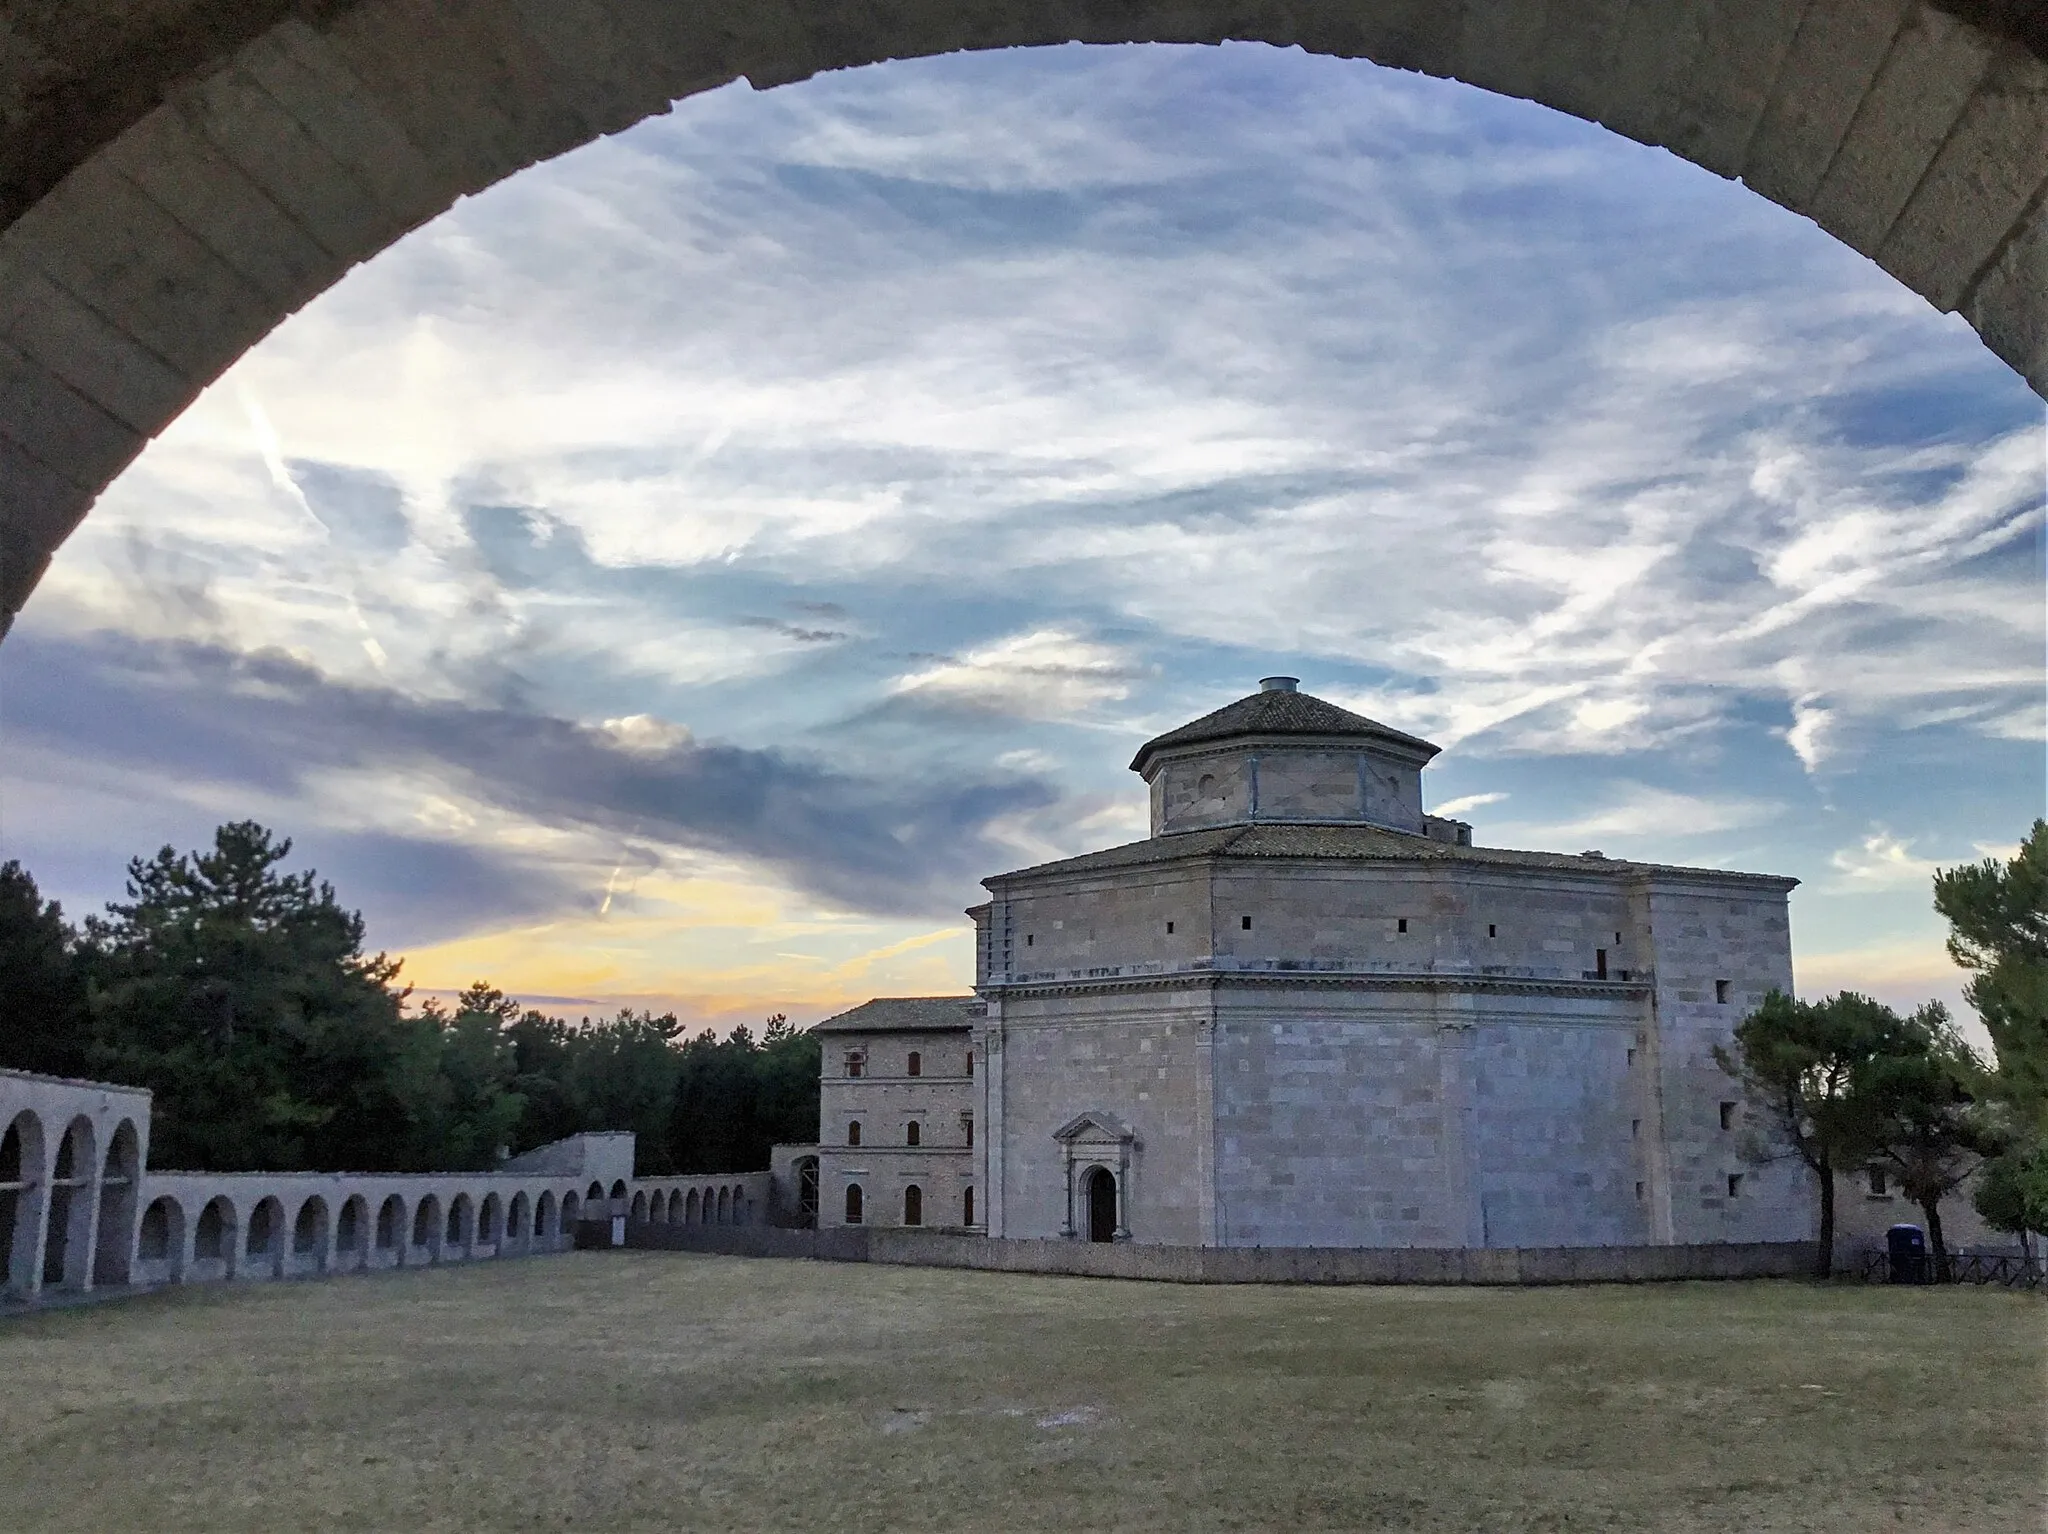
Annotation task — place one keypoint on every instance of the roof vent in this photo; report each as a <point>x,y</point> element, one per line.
<point>1279,683</point>
<point>1593,853</point>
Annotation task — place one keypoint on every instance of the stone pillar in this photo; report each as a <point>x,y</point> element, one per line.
<point>1463,1198</point>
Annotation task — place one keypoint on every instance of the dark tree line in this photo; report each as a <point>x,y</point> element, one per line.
<point>1847,1082</point>
<point>240,994</point>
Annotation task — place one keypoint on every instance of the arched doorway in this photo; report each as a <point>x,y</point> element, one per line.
<point>913,1205</point>
<point>855,1209</point>
<point>1100,1188</point>
<point>67,1242</point>
<point>807,1192</point>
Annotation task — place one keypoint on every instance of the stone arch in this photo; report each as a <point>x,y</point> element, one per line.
<point>461,1233</point>
<point>518,1215</point>
<point>724,1205</point>
<point>67,1229</point>
<point>426,1226</point>
<point>263,1245</point>
<point>855,1204</point>
<point>639,1210</point>
<point>690,1207</point>
<point>21,1205</point>
<point>572,1211</point>
<point>113,1247</point>
<point>544,1227</point>
<point>160,1242</point>
<point>351,1234</point>
<point>309,1237</point>
<point>592,1197</point>
<point>169,195</point>
<point>488,1228</point>
<point>913,1205</point>
<point>618,1200</point>
<point>391,1227</point>
<point>216,1239</point>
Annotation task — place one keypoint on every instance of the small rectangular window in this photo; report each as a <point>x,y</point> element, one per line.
<point>1639,1193</point>
<point>1631,1057</point>
<point>913,1133</point>
<point>914,1066</point>
<point>852,1133</point>
<point>1401,925</point>
<point>1169,929</point>
<point>1878,1187</point>
<point>1721,992</point>
<point>856,1064</point>
<point>967,1129</point>
<point>1735,1185</point>
<point>1245,922</point>
<point>1492,930</point>
<point>1635,1129</point>
<point>1029,939</point>
<point>1727,1115</point>
<point>1600,963</point>
<point>970,1062</point>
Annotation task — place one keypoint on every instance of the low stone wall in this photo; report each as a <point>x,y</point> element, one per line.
<point>1242,1264</point>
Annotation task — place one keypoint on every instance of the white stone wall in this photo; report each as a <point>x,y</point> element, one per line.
<point>71,1159</point>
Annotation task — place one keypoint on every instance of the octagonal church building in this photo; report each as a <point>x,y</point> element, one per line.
<point>1305,1012</point>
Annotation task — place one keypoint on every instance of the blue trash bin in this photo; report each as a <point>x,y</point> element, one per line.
<point>1907,1247</point>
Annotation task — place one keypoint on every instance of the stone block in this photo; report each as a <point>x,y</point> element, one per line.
<point>1834,57</point>
<point>312,82</point>
<point>1927,79</point>
<point>86,350</point>
<point>99,234</point>
<point>327,198</point>
<point>181,172</point>
<point>1695,75</point>
<point>60,426</point>
<point>1990,170</point>
<point>2009,306</point>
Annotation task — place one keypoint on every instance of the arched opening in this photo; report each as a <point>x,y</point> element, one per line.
<point>592,1197</point>
<point>120,1183</point>
<point>214,1240</point>
<point>1100,1187</point>
<point>390,1223</point>
<point>853,1132</point>
<point>487,1220</point>
<point>571,1212</point>
<point>639,1210</point>
<point>853,1203</point>
<point>67,1239</point>
<point>618,1197</point>
<point>160,1243</point>
<point>807,1192</point>
<point>426,1226</point>
<point>21,1159</point>
<point>263,1251</point>
<point>690,1208</point>
<point>518,1215</point>
<point>913,1205</point>
<point>913,1133</point>
<point>309,1237</point>
<point>544,1219</point>
<point>350,1229</point>
<point>742,1207</point>
<point>669,1202</point>
<point>461,1226</point>
<point>724,1205</point>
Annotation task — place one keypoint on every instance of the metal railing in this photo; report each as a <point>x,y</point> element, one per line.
<point>2009,1270</point>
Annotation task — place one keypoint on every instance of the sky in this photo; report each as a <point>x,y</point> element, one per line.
<point>677,575</point>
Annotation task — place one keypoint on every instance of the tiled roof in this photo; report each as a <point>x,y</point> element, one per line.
<point>902,1014</point>
<point>1278,713</point>
<point>1364,843</point>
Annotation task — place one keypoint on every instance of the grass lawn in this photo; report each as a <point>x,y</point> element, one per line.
<point>662,1390</point>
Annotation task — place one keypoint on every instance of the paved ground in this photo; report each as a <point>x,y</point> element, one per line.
<point>659,1390</point>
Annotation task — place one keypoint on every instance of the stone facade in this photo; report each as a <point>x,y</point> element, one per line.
<point>1305,1013</point>
<point>896,1116</point>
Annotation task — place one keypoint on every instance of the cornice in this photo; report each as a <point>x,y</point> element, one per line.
<point>1359,980</point>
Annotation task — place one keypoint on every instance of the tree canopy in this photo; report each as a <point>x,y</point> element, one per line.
<point>241,995</point>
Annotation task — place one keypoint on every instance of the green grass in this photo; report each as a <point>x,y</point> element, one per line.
<point>660,1390</point>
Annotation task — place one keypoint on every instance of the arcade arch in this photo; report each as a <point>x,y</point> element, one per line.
<point>21,1202</point>
<point>180,179</point>
<point>120,1182</point>
<point>67,1235</point>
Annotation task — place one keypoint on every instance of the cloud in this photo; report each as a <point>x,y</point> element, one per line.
<point>1641,811</point>
<point>1882,861</point>
<point>1047,673</point>
<point>269,721</point>
<point>1466,802</point>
